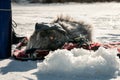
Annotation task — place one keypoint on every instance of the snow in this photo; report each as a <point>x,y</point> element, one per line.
<point>85,65</point>
<point>77,64</point>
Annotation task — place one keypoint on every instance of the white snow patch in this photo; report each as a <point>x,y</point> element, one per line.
<point>79,64</point>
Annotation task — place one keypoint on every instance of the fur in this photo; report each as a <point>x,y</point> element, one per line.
<point>55,39</point>
<point>75,28</point>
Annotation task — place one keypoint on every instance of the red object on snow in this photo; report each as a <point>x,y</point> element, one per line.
<point>37,55</point>
<point>40,54</point>
<point>69,46</point>
<point>22,43</point>
<point>118,50</point>
<point>93,46</point>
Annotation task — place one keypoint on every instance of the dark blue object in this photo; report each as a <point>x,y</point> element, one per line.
<point>5,29</point>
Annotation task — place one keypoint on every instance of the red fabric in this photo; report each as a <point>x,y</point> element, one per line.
<point>113,45</point>
<point>92,46</point>
<point>42,52</point>
<point>69,46</point>
<point>118,50</point>
<point>19,53</point>
<point>22,43</point>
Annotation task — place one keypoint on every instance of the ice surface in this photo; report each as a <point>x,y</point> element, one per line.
<point>105,17</point>
<point>77,64</point>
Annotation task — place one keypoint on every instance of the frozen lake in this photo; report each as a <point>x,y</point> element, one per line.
<point>62,64</point>
<point>105,17</point>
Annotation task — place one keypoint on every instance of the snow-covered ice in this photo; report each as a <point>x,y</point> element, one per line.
<point>77,64</point>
